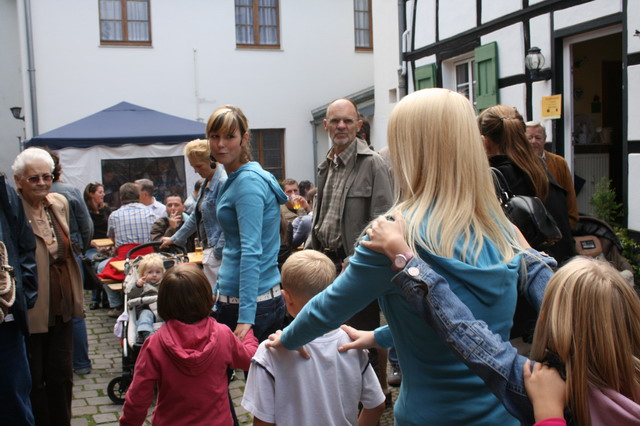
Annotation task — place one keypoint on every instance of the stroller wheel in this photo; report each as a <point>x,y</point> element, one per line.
<point>118,388</point>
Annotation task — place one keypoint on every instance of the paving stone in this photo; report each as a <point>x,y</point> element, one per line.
<point>85,394</point>
<point>104,418</point>
<point>80,421</point>
<point>78,402</point>
<point>89,409</point>
<point>99,400</point>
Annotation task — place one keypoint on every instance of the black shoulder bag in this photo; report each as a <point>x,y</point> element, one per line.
<point>527,213</point>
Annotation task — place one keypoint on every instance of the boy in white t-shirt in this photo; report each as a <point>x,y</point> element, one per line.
<point>283,388</point>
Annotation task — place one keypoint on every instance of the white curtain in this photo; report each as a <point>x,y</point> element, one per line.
<point>138,20</point>
<point>111,20</point>
<point>244,21</point>
<point>268,22</point>
<point>362,31</point>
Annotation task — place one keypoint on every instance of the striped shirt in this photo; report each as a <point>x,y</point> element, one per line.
<point>131,224</point>
<point>330,216</point>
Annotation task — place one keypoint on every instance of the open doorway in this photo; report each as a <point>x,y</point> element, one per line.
<point>596,113</point>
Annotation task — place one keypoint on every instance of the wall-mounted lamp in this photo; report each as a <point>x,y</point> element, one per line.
<point>534,62</point>
<point>16,113</point>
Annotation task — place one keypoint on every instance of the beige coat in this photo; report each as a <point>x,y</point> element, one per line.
<point>39,314</point>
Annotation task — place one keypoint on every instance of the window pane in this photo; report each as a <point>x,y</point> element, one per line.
<point>462,73</point>
<point>110,9</point>
<point>244,22</point>
<point>270,3</point>
<point>244,3</point>
<point>271,139</point>
<point>361,23</point>
<point>138,31</point>
<point>272,159</point>
<point>137,10</point>
<point>111,30</point>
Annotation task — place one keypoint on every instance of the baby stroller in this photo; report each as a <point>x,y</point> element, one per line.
<point>595,238</point>
<point>174,255</point>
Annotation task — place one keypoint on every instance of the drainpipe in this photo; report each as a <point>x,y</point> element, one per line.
<point>404,43</point>
<point>31,69</point>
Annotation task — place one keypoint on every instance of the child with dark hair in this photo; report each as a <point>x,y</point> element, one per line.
<point>187,359</point>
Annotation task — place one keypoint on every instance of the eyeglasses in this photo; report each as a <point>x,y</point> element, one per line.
<point>47,177</point>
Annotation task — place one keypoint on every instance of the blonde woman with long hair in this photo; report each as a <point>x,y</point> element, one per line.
<point>455,223</point>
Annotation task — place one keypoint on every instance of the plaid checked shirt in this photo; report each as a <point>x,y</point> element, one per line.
<point>329,219</point>
<point>131,224</point>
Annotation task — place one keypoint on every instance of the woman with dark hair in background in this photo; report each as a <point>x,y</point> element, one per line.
<point>505,140</point>
<point>99,212</point>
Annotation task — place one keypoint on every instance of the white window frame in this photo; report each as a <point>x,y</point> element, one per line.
<point>449,74</point>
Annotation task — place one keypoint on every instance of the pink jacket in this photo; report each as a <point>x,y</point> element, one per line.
<point>188,362</point>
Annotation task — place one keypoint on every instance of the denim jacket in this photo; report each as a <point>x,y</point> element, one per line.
<point>207,213</point>
<point>484,352</point>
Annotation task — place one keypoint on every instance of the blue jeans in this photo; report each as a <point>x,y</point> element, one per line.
<point>145,321</point>
<point>16,377</point>
<point>484,352</point>
<point>80,340</point>
<point>269,316</point>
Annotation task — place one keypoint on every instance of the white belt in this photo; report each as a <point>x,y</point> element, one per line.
<point>272,293</point>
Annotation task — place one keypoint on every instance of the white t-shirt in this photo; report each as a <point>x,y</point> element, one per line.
<point>286,389</point>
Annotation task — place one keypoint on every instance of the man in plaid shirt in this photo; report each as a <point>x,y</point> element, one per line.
<point>129,226</point>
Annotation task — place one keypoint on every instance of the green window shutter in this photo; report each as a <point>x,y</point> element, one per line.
<point>425,76</point>
<point>486,74</point>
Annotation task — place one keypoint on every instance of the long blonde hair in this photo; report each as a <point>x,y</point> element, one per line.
<point>590,317</point>
<point>228,119</point>
<point>441,171</point>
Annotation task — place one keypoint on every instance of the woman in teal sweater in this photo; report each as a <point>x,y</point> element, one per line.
<point>248,209</point>
<point>455,223</point>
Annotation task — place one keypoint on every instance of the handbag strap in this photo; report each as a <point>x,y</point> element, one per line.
<point>502,187</point>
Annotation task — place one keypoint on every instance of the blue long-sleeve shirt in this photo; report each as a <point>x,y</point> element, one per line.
<point>436,388</point>
<point>249,213</point>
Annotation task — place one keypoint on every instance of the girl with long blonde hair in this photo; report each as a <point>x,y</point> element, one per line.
<point>455,223</point>
<point>588,328</point>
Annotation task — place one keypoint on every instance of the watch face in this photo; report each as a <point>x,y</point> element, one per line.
<point>400,261</point>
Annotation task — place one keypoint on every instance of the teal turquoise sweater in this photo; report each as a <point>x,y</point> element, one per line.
<point>436,387</point>
<point>249,213</point>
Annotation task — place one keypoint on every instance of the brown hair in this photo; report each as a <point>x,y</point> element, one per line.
<point>505,127</point>
<point>307,272</point>
<point>91,189</point>
<point>228,119</point>
<point>288,181</point>
<point>185,294</point>
<point>590,316</point>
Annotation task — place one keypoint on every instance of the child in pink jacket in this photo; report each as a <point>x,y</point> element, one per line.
<point>187,359</point>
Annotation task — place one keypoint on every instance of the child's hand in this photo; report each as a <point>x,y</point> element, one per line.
<point>387,237</point>
<point>546,390</point>
<point>141,281</point>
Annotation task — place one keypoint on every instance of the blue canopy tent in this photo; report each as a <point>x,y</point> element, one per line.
<point>128,138</point>
<point>121,124</point>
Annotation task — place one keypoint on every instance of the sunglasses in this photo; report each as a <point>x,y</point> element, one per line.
<point>47,177</point>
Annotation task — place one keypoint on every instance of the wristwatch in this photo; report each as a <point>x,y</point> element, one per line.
<point>401,261</point>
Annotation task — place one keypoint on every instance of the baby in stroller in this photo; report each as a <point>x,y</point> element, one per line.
<point>143,294</point>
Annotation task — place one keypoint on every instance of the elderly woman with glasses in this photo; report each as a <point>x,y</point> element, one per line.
<point>59,288</point>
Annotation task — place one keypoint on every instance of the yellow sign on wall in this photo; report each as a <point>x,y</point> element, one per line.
<point>551,107</point>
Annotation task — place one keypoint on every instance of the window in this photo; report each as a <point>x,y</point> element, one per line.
<point>125,22</point>
<point>267,148</point>
<point>464,81</point>
<point>257,23</point>
<point>362,24</point>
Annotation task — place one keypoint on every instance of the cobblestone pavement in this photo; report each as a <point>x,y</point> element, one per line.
<point>92,406</point>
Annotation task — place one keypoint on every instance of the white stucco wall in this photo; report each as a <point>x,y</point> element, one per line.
<point>194,51</point>
<point>492,9</point>
<point>514,96</point>
<point>425,31</point>
<point>10,86</point>
<point>539,29</point>
<point>510,46</point>
<point>634,192</point>
<point>633,24</point>
<point>386,64</point>
<point>456,17</point>
<point>633,76</point>
<point>586,12</point>
<point>540,89</point>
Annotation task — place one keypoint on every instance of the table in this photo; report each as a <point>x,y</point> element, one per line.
<point>102,242</point>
